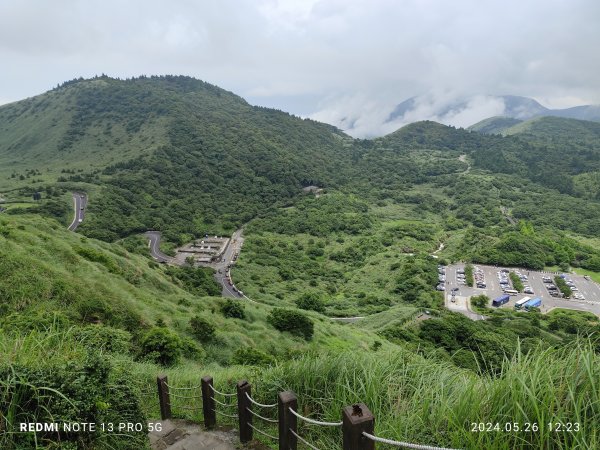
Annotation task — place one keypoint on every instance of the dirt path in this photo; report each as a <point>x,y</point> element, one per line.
<point>463,158</point>
<point>507,216</point>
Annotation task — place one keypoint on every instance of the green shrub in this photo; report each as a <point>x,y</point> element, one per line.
<point>233,310</point>
<point>249,356</point>
<point>516,282</point>
<point>291,321</point>
<point>311,301</point>
<point>196,280</point>
<point>34,320</point>
<point>98,256</point>
<point>563,286</point>
<point>469,275</point>
<point>162,346</point>
<point>480,301</point>
<point>88,390</point>
<point>104,338</point>
<point>202,329</point>
<point>192,350</point>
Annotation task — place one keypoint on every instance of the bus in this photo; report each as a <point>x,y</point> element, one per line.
<point>533,303</point>
<point>519,303</point>
<point>500,300</point>
<point>511,292</point>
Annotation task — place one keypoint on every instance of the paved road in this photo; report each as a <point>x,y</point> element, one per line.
<point>459,302</point>
<point>154,244</point>
<point>80,203</point>
<point>222,268</point>
<point>589,289</point>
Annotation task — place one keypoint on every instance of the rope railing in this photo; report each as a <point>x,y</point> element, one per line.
<point>189,408</point>
<point>316,422</point>
<point>266,419</point>
<point>221,393</point>
<point>263,433</point>
<point>230,405</point>
<point>357,425</point>
<point>185,397</point>
<point>301,439</point>
<point>262,405</point>
<point>403,444</point>
<point>233,416</point>
<point>182,388</point>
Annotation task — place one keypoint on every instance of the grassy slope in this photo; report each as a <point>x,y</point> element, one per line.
<point>547,127</point>
<point>402,179</point>
<point>354,272</point>
<point>416,401</point>
<point>494,125</point>
<point>43,273</point>
<point>33,131</point>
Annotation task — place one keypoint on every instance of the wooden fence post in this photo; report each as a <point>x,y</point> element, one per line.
<point>356,419</point>
<point>244,416</point>
<point>287,420</point>
<point>208,403</point>
<point>163,397</point>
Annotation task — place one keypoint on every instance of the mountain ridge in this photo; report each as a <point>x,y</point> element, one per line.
<point>516,107</point>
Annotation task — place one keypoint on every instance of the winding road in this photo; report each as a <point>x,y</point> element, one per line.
<point>79,202</point>
<point>154,245</point>
<point>222,268</point>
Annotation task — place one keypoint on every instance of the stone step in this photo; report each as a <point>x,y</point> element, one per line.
<point>182,435</point>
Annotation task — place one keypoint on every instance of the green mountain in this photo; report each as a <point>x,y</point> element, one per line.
<point>560,153</point>
<point>551,128</point>
<point>223,159</point>
<point>494,125</point>
<point>187,158</point>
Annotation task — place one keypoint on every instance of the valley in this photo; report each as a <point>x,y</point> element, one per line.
<point>329,291</point>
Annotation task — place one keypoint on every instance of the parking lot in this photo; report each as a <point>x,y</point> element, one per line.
<point>588,290</point>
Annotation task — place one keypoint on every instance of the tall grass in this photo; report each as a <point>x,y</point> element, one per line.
<point>426,402</point>
<point>431,403</point>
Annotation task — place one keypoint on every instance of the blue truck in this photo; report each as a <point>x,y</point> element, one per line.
<point>501,300</point>
<point>533,303</point>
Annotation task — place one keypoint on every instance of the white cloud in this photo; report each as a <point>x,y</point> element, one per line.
<point>337,54</point>
<point>361,117</point>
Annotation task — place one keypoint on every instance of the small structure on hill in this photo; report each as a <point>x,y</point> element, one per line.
<point>315,190</point>
<point>203,251</point>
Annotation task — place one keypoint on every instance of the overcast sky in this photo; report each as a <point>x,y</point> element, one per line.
<point>328,59</point>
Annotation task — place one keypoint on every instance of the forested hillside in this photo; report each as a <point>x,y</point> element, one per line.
<point>177,154</point>
<point>187,158</point>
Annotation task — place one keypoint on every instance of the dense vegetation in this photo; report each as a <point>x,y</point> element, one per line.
<point>187,158</point>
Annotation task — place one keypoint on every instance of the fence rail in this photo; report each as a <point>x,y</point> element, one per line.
<point>357,424</point>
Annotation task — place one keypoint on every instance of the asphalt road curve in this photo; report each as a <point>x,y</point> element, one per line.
<point>223,267</point>
<point>154,244</point>
<point>80,203</point>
